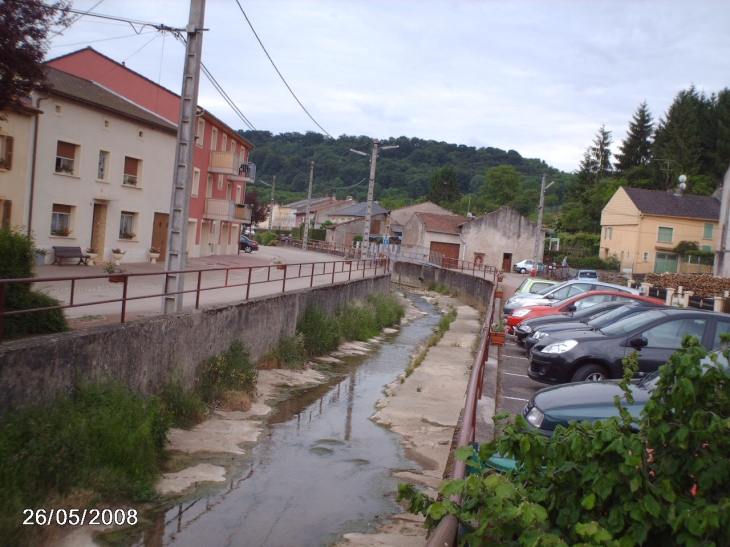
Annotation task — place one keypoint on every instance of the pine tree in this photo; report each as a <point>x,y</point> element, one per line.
<point>636,148</point>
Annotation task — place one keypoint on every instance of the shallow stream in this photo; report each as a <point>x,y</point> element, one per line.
<point>322,468</point>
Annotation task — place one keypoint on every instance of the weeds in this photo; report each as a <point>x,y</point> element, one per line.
<point>230,371</point>
<point>186,409</point>
<point>290,353</point>
<point>443,326</point>
<point>434,286</point>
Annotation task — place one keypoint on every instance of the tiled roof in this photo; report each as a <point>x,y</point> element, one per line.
<point>359,210</point>
<point>654,202</point>
<point>442,223</point>
<point>92,93</point>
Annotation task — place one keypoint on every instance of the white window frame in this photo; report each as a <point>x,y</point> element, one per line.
<point>129,180</point>
<point>128,223</point>
<point>709,226</point>
<point>103,169</point>
<point>196,182</point>
<point>200,133</point>
<point>68,166</point>
<point>209,187</point>
<point>220,182</point>
<point>61,219</point>
<point>214,139</point>
<point>646,257</point>
<point>6,152</point>
<point>233,146</point>
<point>224,142</point>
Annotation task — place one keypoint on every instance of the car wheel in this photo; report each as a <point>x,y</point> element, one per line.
<point>522,270</point>
<point>247,249</point>
<point>589,373</point>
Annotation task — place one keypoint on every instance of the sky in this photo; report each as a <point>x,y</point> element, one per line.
<point>536,76</point>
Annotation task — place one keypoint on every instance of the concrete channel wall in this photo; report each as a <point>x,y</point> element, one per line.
<point>473,290</point>
<point>148,352</point>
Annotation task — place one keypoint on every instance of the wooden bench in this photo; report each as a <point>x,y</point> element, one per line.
<point>60,253</point>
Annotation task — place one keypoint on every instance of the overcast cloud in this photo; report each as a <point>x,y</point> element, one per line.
<point>538,77</point>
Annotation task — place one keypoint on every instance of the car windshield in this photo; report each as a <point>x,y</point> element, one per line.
<point>546,290</point>
<point>611,316</point>
<point>523,284</point>
<point>588,275</point>
<point>627,324</point>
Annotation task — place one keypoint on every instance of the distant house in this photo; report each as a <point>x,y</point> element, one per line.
<point>221,168</point>
<point>344,233</point>
<point>642,227</point>
<point>400,217</point>
<point>441,233</point>
<point>291,215</point>
<point>15,164</point>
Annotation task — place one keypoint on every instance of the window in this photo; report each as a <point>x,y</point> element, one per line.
<point>233,147</point>
<point>132,171</point>
<point>196,182</point>
<point>706,248</point>
<point>721,328</point>
<point>709,232</point>
<point>57,109</point>
<point>220,182</point>
<point>61,220</point>
<point>214,139</point>
<point>126,225</point>
<point>669,334</point>
<point>665,235</point>
<point>200,135</point>
<point>224,142</point>
<point>209,187</point>
<point>140,134</point>
<point>646,257</point>
<point>101,170</point>
<point>239,191</point>
<point>608,233</point>
<point>229,191</point>
<point>106,124</point>
<point>66,157</point>
<point>6,152</point>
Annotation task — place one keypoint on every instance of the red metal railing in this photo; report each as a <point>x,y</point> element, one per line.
<point>445,533</point>
<point>478,270</point>
<point>329,272</point>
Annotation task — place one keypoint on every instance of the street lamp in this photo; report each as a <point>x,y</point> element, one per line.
<point>538,239</point>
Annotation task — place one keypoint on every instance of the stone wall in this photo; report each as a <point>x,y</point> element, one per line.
<point>147,352</point>
<point>474,290</point>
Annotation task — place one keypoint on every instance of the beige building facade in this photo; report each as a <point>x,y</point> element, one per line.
<point>641,228</point>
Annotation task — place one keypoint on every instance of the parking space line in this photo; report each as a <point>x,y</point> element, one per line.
<point>517,357</point>
<point>516,399</point>
<point>513,374</point>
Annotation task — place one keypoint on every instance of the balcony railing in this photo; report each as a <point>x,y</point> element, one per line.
<point>225,163</point>
<point>246,173</point>
<point>227,210</point>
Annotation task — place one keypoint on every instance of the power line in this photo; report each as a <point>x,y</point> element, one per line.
<point>279,73</point>
<point>104,39</point>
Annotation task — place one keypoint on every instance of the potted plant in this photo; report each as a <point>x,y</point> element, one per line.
<point>154,254</point>
<point>93,252</point>
<point>40,256</point>
<point>117,255</point>
<point>116,274</point>
<point>500,277</point>
<point>280,263</point>
<point>127,235</point>
<point>499,292</point>
<point>497,333</point>
<point>63,232</point>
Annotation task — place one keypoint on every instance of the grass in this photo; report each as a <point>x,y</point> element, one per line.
<point>102,442</point>
<point>186,409</point>
<point>443,326</point>
<point>229,371</point>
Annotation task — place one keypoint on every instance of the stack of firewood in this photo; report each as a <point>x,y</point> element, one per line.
<point>701,285</point>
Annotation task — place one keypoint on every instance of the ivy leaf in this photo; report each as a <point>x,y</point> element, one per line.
<point>652,506</point>
<point>589,501</point>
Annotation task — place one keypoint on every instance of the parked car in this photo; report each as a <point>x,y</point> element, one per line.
<point>586,274</point>
<point>525,266</point>
<point>247,244</point>
<point>603,320</point>
<point>590,401</point>
<point>576,356</point>
<point>527,327</point>
<point>533,285</point>
<point>561,291</point>
<point>579,302</point>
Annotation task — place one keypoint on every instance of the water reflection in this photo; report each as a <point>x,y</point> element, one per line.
<point>321,469</point>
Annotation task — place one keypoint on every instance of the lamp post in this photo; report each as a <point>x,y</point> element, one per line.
<point>538,239</point>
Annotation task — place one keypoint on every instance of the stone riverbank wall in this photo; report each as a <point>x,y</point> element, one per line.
<point>146,353</point>
<point>472,290</point>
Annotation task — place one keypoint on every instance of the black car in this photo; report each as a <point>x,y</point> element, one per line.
<point>247,244</point>
<point>575,356</point>
<point>529,326</point>
<point>589,323</point>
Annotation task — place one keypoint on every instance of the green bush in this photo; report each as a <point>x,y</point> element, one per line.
<point>357,320</point>
<point>186,409</point>
<point>290,353</point>
<point>389,310</point>
<point>229,371</point>
<point>595,263</point>
<point>268,239</point>
<point>17,261</point>
<point>607,484</point>
<point>103,438</point>
<point>320,332</point>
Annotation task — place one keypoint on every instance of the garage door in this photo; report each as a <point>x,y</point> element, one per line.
<point>666,262</point>
<point>449,250</point>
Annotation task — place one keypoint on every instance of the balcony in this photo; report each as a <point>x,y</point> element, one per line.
<point>227,210</point>
<point>246,173</point>
<point>225,163</point>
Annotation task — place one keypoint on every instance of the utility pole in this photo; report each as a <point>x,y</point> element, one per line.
<point>538,239</point>
<point>180,199</point>
<point>371,185</point>
<point>271,210</point>
<point>306,218</point>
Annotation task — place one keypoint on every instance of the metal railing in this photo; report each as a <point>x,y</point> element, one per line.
<point>445,533</point>
<point>473,268</point>
<point>323,272</point>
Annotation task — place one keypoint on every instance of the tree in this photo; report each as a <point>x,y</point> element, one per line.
<point>259,212</point>
<point>23,45</point>
<point>636,148</point>
<point>503,185</point>
<point>443,186</point>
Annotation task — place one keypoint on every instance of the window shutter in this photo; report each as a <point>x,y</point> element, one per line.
<point>8,153</point>
<point>7,211</point>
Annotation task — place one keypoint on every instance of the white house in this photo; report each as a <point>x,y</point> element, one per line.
<point>103,169</point>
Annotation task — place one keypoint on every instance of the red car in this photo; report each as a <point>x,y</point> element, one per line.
<point>569,305</point>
